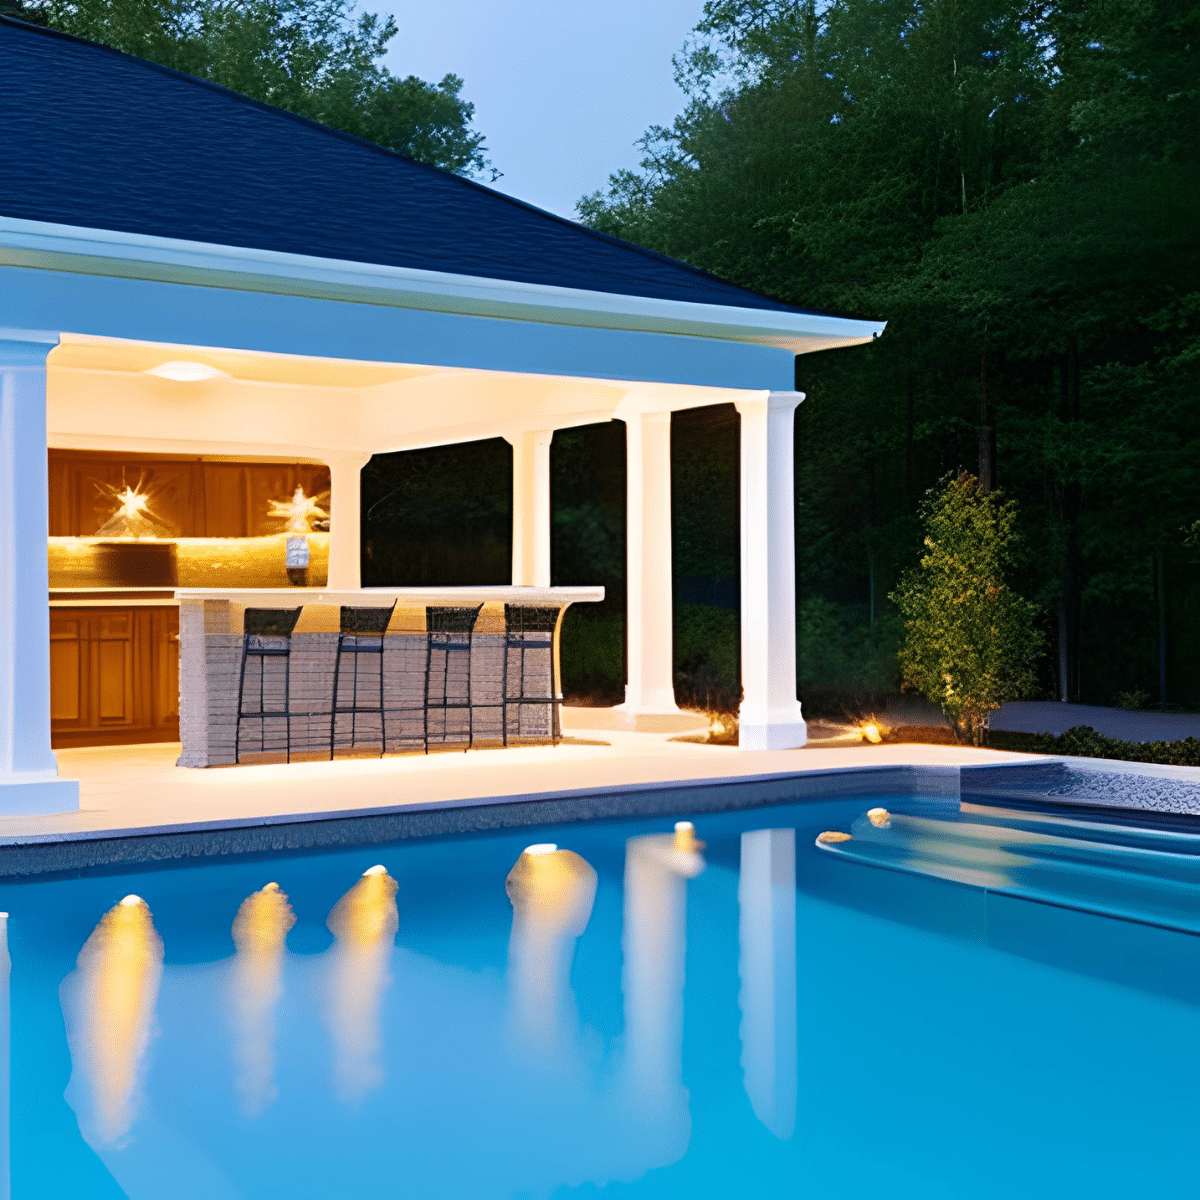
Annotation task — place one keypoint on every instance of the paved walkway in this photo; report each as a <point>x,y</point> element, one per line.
<point>138,789</point>
<point>1042,716</point>
<point>1139,726</point>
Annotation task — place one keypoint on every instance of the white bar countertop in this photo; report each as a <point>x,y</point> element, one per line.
<point>404,597</point>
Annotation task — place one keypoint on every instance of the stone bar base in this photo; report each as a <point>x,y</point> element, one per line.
<point>414,681</point>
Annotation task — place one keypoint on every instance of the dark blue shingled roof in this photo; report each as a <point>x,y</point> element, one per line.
<point>93,137</point>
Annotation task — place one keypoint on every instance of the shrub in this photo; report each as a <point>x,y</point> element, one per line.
<point>969,639</point>
<point>838,666</point>
<point>707,658</point>
<point>593,655</point>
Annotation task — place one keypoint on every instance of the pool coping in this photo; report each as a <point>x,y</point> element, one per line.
<point>25,856</point>
<point>1093,783</point>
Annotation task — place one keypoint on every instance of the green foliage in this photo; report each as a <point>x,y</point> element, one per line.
<point>316,58</point>
<point>837,666</point>
<point>1084,742</point>
<point>1026,175</point>
<point>1135,699</point>
<point>707,658</point>
<point>969,639</point>
<point>593,655</point>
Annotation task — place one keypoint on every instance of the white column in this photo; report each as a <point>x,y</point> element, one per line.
<point>649,633</point>
<point>769,717</point>
<point>29,780</point>
<point>531,507</point>
<point>345,520</point>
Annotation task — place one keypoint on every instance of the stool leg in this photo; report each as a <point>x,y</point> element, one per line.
<point>333,706</point>
<point>237,731</point>
<point>287,703</point>
<point>382,710</point>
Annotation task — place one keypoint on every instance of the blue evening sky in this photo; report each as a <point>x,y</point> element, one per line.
<point>562,88</point>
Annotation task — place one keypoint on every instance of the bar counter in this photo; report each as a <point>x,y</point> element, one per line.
<point>445,667</point>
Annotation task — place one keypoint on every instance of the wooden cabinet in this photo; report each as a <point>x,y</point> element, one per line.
<point>194,497</point>
<point>114,675</point>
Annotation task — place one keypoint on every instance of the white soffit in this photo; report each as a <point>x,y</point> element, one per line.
<point>139,256</point>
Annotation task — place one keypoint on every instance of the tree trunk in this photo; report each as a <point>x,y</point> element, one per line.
<point>987,433</point>
<point>1161,587</point>
<point>908,433</point>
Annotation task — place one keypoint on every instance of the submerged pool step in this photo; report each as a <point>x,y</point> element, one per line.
<point>1139,874</point>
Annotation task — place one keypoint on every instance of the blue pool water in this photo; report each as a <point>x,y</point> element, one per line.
<point>698,1027</point>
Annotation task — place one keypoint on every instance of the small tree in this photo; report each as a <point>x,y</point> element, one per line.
<point>970,642</point>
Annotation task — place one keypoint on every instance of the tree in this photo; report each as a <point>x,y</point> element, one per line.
<point>1016,190</point>
<point>316,58</point>
<point>969,639</point>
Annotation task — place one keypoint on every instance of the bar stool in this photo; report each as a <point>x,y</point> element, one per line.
<point>529,634</point>
<point>361,632</point>
<point>267,638</point>
<point>448,638</point>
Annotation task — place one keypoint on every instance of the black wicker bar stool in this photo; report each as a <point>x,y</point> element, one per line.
<point>448,640</point>
<point>531,700</point>
<point>266,667</point>
<point>361,634</point>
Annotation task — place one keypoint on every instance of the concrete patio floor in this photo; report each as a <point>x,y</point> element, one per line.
<point>132,790</point>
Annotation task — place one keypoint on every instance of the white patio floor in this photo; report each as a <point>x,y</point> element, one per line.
<point>127,790</point>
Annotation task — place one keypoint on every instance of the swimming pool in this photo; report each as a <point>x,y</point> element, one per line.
<point>754,1018</point>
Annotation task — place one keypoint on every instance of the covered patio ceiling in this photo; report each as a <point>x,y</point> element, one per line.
<point>105,394</point>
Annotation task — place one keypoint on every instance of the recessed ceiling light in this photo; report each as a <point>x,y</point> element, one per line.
<point>184,372</point>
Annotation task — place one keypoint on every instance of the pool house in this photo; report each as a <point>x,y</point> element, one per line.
<point>214,313</point>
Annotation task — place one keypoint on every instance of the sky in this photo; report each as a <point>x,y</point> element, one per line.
<point>562,90</point>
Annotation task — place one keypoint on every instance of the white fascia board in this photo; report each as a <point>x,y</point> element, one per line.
<point>171,260</point>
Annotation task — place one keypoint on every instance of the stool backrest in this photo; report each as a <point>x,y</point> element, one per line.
<point>370,621</point>
<point>528,618</point>
<point>451,620</point>
<point>271,622</point>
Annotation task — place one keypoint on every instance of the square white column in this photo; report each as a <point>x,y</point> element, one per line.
<point>531,507</point>
<point>345,520</point>
<point>29,781</point>
<point>649,632</point>
<point>769,717</point>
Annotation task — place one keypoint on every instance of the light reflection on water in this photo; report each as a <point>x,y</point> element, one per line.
<point>633,1011</point>
<point>364,922</point>
<point>260,931</point>
<point>108,1007</point>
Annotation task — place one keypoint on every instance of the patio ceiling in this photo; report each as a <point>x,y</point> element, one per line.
<point>102,396</point>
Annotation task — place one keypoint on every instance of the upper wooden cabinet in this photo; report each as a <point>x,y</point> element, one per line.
<point>197,498</point>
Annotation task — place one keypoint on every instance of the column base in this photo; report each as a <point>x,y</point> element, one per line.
<point>31,796</point>
<point>771,729</point>
<point>658,718</point>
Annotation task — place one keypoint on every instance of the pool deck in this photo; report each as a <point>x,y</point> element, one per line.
<point>135,791</point>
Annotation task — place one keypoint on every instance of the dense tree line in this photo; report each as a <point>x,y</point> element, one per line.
<point>317,58</point>
<point>1014,187</point>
